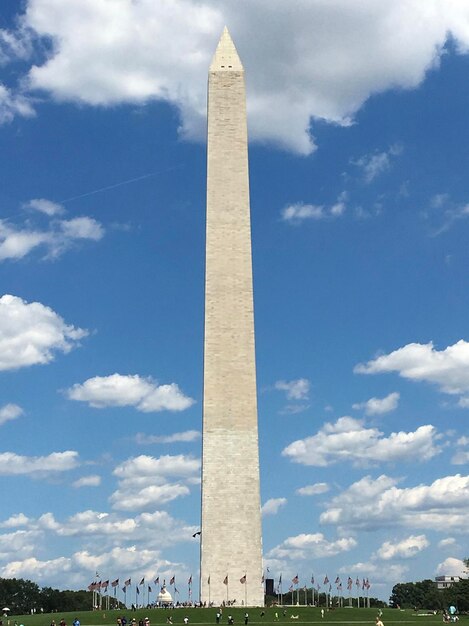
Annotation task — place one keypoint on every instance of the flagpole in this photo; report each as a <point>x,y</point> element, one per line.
<point>245,590</point>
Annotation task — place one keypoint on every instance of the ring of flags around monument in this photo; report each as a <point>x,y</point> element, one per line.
<point>101,586</point>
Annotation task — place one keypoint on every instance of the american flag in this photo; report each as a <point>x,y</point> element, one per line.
<point>149,589</point>
<point>115,583</point>
<point>326,580</point>
<point>312,579</point>
<point>242,580</point>
<point>337,581</point>
<point>128,582</point>
<point>172,580</point>
<point>138,591</point>
<point>225,582</point>
<point>105,584</point>
<point>295,580</point>
<point>142,581</point>
<point>157,580</point>
<point>208,580</point>
<point>189,582</point>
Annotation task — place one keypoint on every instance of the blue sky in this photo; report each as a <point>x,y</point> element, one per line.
<point>360,217</point>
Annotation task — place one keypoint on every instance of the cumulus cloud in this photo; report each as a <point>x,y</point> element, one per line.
<point>348,439</point>
<point>273,506</point>
<point>448,368</point>
<point>47,207</point>
<point>12,464</point>
<point>322,61</point>
<point>130,390</point>
<point>31,333</point>
<point>295,389</point>
<point>313,490</point>
<point>146,481</point>
<point>10,412</point>
<point>404,549</point>
<point>378,406</point>
<point>375,569</point>
<point>452,567</point>
<point>87,481</point>
<point>376,503</point>
<point>186,436</point>
<point>299,212</point>
<point>17,241</point>
<point>308,546</point>
<point>18,543</point>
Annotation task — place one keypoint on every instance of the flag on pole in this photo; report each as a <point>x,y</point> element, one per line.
<point>128,582</point>
<point>363,584</point>
<point>142,581</point>
<point>124,589</point>
<point>172,580</point>
<point>291,588</point>
<point>157,580</point>
<point>149,589</point>
<point>312,579</point>
<point>337,581</point>
<point>175,590</point>
<point>262,579</point>
<point>189,582</point>
<point>357,582</point>
<point>367,584</point>
<point>330,588</point>
<point>280,580</point>
<point>295,580</point>
<point>225,582</point>
<point>326,580</point>
<point>208,580</point>
<point>242,580</point>
<point>138,591</point>
<point>115,583</point>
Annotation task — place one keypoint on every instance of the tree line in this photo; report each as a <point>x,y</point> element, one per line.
<point>21,596</point>
<point>425,595</point>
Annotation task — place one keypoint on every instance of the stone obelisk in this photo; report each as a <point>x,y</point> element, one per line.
<point>231,544</point>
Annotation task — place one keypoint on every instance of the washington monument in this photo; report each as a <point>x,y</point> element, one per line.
<point>231,543</point>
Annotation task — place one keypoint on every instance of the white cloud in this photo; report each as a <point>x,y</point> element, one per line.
<point>405,549</point>
<point>15,520</point>
<point>321,61</point>
<point>87,481</point>
<point>187,436</point>
<point>12,104</point>
<point>10,412</point>
<point>447,542</point>
<point>82,228</point>
<point>451,567</point>
<point>379,406</point>
<point>294,389</point>
<point>448,368</point>
<point>461,457</point>
<point>372,165</point>
<point>273,506</point>
<point>16,242</point>
<point>47,207</point>
<point>313,490</point>
<point>380,574</point>
<point>299,211</point>
<point>31,333</point>
<point>130,390</point>
<point>349,440</point>
<point>18,543</point>
<point>376,503</point>
<point>32,568</point>
<point>12,464</point>
<point>308,546</point>
<point>144,480</point>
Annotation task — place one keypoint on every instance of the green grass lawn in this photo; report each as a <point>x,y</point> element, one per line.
<point>306,615</point>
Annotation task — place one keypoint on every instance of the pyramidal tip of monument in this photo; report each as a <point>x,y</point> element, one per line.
<point>226,56</point>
